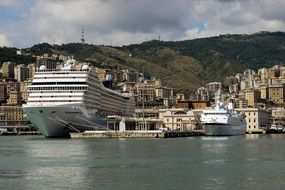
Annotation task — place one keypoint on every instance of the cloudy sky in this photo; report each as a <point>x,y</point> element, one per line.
<point>119,22</point>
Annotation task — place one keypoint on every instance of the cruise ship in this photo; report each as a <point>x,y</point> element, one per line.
<point>223,122</point>
<point>72,99</point>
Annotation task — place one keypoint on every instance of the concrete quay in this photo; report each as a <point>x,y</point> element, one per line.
<point>136,134</point>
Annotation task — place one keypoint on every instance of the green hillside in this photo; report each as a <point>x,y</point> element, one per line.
<point>182,64</point>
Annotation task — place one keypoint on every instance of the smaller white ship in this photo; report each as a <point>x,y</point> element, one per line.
<point>223,121</point>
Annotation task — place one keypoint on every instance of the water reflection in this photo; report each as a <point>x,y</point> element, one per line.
<point>252,136</point>
<point>213,138</point>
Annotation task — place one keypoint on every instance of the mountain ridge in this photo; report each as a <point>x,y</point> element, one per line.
<point>182,65</point>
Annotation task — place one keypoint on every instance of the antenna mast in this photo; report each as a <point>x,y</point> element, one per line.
<point>82,36</point>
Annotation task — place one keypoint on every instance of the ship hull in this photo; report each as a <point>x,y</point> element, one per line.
<point>213,129</point>
<point>61,120</point>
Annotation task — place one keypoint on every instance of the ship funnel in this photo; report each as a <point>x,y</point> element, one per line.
<point>108,81</point>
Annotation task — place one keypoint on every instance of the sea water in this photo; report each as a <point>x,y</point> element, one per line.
<point>237,162</point>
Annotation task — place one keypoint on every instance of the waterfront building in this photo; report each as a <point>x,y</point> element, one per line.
<point>179,119</point>
<point>257,119</point>
<point>278,118</point>
<point>12,115</point>
<point>276,93</point>
<point>147,118</point>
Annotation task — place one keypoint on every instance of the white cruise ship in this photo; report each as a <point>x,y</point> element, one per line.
<point>223,122</point>
<point>72,99</point>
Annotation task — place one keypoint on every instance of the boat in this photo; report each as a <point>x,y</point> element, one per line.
<point>276,127</point>
<point>72,99</point>
<point>3,130</point>
<point>222,121</point>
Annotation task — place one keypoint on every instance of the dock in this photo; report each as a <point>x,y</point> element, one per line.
<point>136,134</point>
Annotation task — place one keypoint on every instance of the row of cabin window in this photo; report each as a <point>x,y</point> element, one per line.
<point>58,88</point>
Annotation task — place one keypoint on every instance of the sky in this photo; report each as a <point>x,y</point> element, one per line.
<point>24,23</point>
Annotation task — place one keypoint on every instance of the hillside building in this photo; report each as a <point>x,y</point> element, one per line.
<point>197,105</point>
<point>21,73</point>
<point>8,70</point>
<point>264,92</point>
<point>276,93</point>
<point>252,97</point>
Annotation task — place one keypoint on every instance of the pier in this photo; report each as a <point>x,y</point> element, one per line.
<point>136,134</point>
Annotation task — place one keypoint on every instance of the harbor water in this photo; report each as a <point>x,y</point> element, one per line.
<point>238,162</point>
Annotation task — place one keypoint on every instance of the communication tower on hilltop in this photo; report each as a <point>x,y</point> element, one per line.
<point>82,36</point>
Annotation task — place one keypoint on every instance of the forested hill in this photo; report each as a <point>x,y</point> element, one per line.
<point>183,64</point>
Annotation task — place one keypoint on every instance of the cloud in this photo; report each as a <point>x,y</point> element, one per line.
<point>9,3</point>
<point>4,41</point>
<point>133,21</point>
<point>238,17</point>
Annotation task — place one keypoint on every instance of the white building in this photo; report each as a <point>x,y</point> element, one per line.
<point>257,119</point>
<point>179,119</point>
